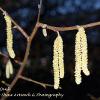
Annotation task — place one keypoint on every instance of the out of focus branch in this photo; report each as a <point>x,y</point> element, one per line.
<point>6,84</point>
<point>93,97</point>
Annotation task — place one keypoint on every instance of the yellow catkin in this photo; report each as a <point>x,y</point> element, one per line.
<point>9,36</point>
<point>44,31</point>
<point>77,59</point>
<point>84,52</point>
<point>61,56</point>
<point>55,65</point>
<point>9,69</point>
<point>81,60</point>
<point>58,63</point>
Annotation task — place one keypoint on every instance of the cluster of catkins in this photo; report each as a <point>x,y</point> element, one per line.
<point>81,56</point>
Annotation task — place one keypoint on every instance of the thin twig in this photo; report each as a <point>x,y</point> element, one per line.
<point>6,84</point>
<point>17,26</point>
<point>53,28</point>
<point>36,82</point>
<point>16,61</point>
<point>92,97</point>
<point>39,13</point>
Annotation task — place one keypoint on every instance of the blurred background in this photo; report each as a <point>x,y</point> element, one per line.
<point>39,64</point>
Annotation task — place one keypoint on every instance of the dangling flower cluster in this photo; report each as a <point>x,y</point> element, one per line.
<point>44,30</point>
<point>9,36</point>
<point>81,60</point>
<point>9,69</point>
<point>58,62</point>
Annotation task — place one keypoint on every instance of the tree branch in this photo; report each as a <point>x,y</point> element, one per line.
<point>53,28</point>
<point>6,84</point>
<point>36,82</point>
<point>16,61</point>
<point>39,13</point>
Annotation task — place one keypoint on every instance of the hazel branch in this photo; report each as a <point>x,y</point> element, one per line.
<point>6,84</point>
<point>54,28</point>
<point>16,61</point>
<point>36,82</point>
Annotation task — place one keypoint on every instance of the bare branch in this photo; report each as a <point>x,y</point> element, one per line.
<point>92,97</point>
<point>6,84</point>
<point>36,82</point>
<point>39,7</point>
<point>16,61</point>
<point>53,28</point>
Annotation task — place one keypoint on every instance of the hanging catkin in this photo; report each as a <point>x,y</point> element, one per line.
<point>81,60</point>
<point>55,65</point>
<point>61,56</point>
<point>44,31</point>
<point>84,52</point>
<point>77,59</point>
<point>58,64</point>
<point>9,36</point>
<point>9,69</point>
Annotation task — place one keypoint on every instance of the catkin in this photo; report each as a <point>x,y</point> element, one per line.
<point>61,56</point>
<point>77,59</point>
<point>55,64</point>
<point>9,69</point>
<point>44,31</point>
<point>9,36</point>
<point>81,60</point>
<point>84,52</point>
<point>58,64</point>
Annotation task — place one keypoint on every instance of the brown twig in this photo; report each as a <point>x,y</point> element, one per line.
<point>16,61</point>
<point>53,28</point>
<point>39,83</point>
<point>92,97</point>
<point>6,84</point>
